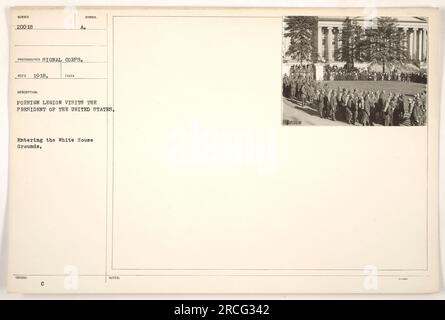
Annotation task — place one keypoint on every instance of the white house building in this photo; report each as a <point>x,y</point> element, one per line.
<point>330,29</point>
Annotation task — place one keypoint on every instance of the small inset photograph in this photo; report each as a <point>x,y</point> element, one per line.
<point>357,71</point>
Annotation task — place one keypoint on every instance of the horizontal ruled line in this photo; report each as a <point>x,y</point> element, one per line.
<point>259,269</point>
<point>60,78</point>
<point>222,275</point>
<point>56,62</point>
<point>60,45</point>
<point>61,29</point>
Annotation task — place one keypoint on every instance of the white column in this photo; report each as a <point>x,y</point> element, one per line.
<point>425,44</point>
<point>420,54</point>
<point>405,34</point>
<point>339,39</point>
<point>412,44</point>
<point>320,42</point>
<point>329,44</point>
<point>402,30</point>
<point>415,46</point>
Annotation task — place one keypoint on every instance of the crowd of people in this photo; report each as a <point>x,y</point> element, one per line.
<point>343,73</point>
<point>353,106</point>
<point>306,71</point>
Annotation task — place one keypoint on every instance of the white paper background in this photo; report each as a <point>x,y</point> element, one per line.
<point>4,117</point>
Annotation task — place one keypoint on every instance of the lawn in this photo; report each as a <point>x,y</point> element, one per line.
<point>407,88</point>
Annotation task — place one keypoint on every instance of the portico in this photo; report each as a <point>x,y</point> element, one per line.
<point>330,30</point>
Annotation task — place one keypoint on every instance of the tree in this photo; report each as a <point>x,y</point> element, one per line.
<point>301,31</point>
<point>386,44</point>
<point>352,42</point>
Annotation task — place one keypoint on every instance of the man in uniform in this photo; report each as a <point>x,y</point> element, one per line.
<point>285,85</point>
<point>348,108</point>
<point>386,112</point>
<point>360,107</point>
<point>415,114</point>
<point>339,111</point>
<point>354,108</point>
<point>293,87</point>
<point>366,110</point>
<point>392,108</point>
<point>381,106</point>
<point>333,105</point>
<point>326,102</point>
<point>320,103</point>
<point>397,116</point>
<point>303,94</point>
<point>372,104</point>
<point>311,93</point>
